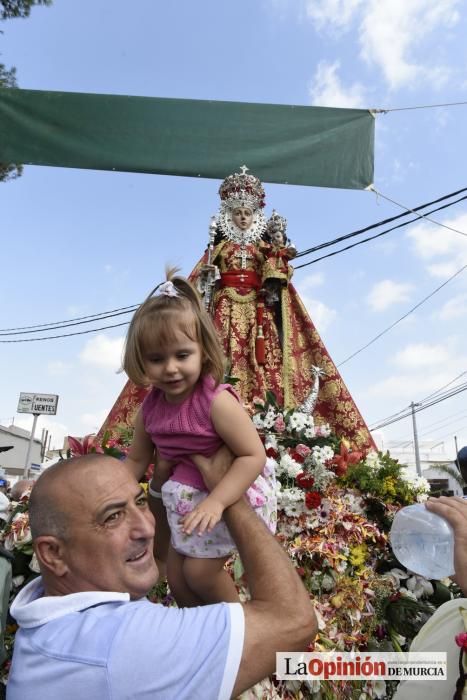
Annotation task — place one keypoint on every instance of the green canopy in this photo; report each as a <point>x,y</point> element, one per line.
<point>320,146</point>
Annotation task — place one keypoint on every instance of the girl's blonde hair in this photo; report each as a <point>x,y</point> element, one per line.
<point>155,323</point>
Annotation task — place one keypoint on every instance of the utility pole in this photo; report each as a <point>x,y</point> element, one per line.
<point>28,455</point>
<point>415,439</point>
<point>457,452</point>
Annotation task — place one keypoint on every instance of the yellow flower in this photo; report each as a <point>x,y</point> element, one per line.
<point>389,486</point>
<point>358,554</point>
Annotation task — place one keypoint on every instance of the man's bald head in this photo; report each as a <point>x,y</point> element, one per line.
<point>49,512</point>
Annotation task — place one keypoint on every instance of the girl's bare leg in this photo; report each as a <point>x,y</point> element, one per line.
<point>182,593</point>
<point>208,579</point>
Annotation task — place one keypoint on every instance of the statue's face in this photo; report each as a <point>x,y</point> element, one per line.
<point>242,218</point>
<point>277,238</point>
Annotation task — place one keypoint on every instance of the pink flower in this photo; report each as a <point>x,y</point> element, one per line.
<point>461,640</point>
<point>279,424</point>
<point>183,507</point>
<point>303,450</point>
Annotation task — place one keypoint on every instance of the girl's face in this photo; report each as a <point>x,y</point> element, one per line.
<point>175,368</point>
<point>242,218</point>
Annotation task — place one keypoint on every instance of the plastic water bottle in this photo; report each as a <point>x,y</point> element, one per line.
<point>423,542</point>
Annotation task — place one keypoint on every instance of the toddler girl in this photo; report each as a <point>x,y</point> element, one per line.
<point>172,346</point>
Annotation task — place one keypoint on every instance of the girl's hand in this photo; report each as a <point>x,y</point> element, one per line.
<point>203,517</point>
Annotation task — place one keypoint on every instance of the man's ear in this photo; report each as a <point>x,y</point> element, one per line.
<point>50,552</point>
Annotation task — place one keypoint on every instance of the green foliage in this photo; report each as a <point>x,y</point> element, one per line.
<point>8,80</point>
<point>19,8</point>
<point>405,616</point>
<point>385,483</point>
<point>451,471</point>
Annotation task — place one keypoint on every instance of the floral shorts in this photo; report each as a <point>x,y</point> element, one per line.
<point>180,499</point>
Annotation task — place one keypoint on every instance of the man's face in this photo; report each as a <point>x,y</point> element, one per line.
<point>109,546</point>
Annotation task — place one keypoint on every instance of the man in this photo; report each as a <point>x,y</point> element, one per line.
<point>85,630</point>
<point>450,619</point>
<point>21,487</point>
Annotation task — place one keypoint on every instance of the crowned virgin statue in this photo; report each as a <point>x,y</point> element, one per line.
<point>269,340</point>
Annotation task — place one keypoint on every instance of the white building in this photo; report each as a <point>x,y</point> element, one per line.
<point>432,454</point>
<point>13,461</point>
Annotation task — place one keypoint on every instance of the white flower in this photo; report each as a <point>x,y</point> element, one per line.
<point>269,418</point>
<point>299,421</point>
<point>407,594</point>
<point>289,466</point>
<point>372,460</point>
<point>419,586</point>
<point>271,441</point>
<point>258,421</point>
<point>327,582</point>
<point>397,575</point>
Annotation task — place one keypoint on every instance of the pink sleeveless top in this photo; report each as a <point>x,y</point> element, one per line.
<point>180,430</point>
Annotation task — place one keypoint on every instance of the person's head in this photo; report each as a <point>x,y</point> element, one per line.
<point>277,229</point>
<point>171,338</point>
<point>92,529</point>
<point>462,462</point>
<point>242,217</point>
<point>242,200</point>
<point>278,238</point>
<point>21,487</point>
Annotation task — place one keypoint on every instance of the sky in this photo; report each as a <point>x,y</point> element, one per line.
<point>80,242</point>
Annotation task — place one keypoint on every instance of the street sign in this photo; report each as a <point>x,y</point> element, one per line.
<point>38,403</point>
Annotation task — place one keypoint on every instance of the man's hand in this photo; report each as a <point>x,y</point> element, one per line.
<point>214,468</point>
<point>454,510</point>
<point>203,517</point>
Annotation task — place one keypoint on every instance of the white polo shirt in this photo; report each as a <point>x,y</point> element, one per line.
<point>102,646</point>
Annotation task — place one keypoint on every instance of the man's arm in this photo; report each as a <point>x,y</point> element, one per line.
<point>279,616</point>
<point>454,510</point>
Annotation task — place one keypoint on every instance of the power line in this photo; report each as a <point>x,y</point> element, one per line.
<point>420,216</point>
<point>423,407</point>
<point>383,222</point>
<point>372,238</point>
<point>386,330</point>
<point>79,318</point>
<point>54,325</point>
<point>64,325</point>
<point>65,335</point>
<point>445,386</point>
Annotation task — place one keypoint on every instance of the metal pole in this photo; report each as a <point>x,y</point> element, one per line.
<point>28,455</point>
<point>457,452</point>
<point>415,440</point>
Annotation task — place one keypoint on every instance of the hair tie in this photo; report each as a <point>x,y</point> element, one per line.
<point>167,289</point>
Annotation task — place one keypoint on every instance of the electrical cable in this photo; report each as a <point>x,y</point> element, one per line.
<point>386,330</point>
<point>78,318</point>
<point>65,335</point>
<point>422,407</point>
<point>64,325</point>
<point>383,222</point>
<point>372,238</point>
<point>53,325</point>
<point>412,211</point>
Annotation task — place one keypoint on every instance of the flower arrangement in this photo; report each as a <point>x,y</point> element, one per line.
<point>335,508</point>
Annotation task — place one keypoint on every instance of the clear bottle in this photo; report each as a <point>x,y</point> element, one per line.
<point>423,542</point>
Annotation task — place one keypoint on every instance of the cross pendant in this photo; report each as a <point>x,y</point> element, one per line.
<point>243,255</point>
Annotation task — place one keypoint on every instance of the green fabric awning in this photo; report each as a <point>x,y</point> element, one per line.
<point>320,146</point>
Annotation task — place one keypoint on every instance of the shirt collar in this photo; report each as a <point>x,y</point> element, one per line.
<point>32,608</point>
